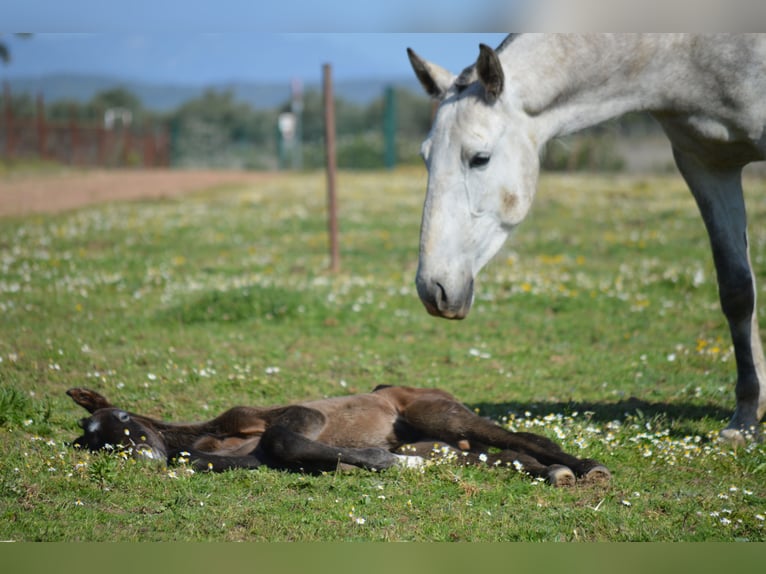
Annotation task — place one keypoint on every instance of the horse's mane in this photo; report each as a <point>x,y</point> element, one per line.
<point>507,40</point>
<point>468,75</point>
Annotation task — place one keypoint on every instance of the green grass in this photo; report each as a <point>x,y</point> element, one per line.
<point>598,326</point>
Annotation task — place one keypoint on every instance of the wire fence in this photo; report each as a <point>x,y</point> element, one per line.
<point>112,142</point>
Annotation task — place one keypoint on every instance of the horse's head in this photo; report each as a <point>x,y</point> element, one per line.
<point>482,163</point>
<point>114,428</point>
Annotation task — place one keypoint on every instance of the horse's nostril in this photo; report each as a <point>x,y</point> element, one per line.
<point>440,296</point>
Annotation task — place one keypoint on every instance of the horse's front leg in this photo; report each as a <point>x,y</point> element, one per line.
<point>721,202</point>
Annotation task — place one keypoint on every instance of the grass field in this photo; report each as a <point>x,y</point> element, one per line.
<point>598,326</point>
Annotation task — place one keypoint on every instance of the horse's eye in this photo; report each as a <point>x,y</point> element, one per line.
<point>479,160</point>
<point>123,416</point>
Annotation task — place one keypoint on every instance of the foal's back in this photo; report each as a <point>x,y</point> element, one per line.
<point>371,419</point>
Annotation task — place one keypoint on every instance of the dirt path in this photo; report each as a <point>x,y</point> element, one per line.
<point>54,193</point>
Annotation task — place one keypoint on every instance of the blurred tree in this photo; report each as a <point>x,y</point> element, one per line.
<point>23,105</point>
<point>237,119</point>
<point>349,118</point>
<point>413,114</point>
<point>359,129</point>
<point>116,98</point>
<point>65,110</point>
<point>217,130</point>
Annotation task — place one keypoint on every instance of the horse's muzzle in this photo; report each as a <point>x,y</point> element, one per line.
<point>442,301</point>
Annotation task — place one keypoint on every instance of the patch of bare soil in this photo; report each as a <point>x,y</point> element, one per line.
<point>54,193</point>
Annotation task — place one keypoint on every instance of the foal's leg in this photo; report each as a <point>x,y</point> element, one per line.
<point>719,196</point>
<point>206,461</point>
<point>555,474</point>
<point>289,442</point>
<point>452,422</point>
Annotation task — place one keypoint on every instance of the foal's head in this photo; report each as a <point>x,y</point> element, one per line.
<point>111,427</point>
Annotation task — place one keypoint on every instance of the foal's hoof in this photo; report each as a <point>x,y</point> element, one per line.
<point>597,475</point>
<point>559,475</point>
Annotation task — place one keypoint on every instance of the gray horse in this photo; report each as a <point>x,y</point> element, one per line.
<point>707,91</point>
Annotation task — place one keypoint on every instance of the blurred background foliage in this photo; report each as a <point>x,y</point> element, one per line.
<point>215,130</point>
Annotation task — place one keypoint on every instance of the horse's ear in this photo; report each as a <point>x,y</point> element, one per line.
<point>490,72</point>
<point>434,79</point>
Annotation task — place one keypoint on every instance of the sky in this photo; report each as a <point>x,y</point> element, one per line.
<point>201,42</point>
<point>257,15</point>
<point>202,58</point>
<point>209,41</point>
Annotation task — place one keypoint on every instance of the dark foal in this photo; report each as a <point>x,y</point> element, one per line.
<point>377,430</point>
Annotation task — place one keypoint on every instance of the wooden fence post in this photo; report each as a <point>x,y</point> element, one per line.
<point>332,205</point>
<point>8,120</point>
<point>74,135</point>
<point>127,145</point>
<point>148,137</point>
<point>42,128</point>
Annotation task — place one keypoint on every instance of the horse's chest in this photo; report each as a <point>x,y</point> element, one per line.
<point>713,140</point>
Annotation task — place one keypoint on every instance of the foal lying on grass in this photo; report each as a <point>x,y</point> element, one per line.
<point>389,426</point>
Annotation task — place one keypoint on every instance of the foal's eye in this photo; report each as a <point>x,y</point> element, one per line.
<point>479,160</point>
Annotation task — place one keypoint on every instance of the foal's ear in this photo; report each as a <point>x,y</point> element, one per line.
<point>434,79</point>
<point>490,73</point>
<point>91,401</point>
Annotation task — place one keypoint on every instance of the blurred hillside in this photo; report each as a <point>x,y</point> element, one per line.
<point>165,97</point>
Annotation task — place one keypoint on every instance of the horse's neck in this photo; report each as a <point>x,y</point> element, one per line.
<point>567,83</point>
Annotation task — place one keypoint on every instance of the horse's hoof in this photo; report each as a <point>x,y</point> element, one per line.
<point>733,437</point>
<point>559,475</point>
<point>597,475</point>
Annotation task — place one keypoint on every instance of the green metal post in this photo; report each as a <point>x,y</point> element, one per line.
<point>389,128</point>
